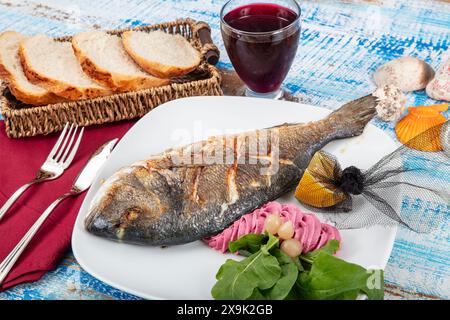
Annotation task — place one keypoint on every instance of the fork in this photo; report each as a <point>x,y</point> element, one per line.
<point>82,182</point>
<point>58,160</point>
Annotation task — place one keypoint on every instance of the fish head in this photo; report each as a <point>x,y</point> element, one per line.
<point>124,209</point>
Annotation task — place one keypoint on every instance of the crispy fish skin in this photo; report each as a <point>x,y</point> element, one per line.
<point>161,201</point>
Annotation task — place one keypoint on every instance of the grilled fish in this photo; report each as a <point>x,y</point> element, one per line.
<point>178,196</point>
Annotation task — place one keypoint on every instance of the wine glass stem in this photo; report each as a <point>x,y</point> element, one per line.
<point>276,95</point>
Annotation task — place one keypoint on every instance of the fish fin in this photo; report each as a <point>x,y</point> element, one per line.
<point>351,119</point>
<point>284,125</point>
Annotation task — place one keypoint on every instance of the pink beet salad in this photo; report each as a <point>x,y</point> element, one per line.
<point>311,233</point>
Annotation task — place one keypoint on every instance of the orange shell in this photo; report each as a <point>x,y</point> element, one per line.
<point>418,120</point>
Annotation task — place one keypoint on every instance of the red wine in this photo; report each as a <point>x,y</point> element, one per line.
<point>262,60</point>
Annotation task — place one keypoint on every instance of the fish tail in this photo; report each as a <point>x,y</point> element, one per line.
<point>351,119</point>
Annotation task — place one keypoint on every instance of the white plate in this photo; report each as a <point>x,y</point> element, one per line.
<point>188,271</point>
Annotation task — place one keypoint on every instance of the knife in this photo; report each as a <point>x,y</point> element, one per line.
<point>82,182</point>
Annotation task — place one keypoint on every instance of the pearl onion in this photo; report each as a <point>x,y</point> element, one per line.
<point>286,230</point>
<point>272,223</point>
<point>292,247</point>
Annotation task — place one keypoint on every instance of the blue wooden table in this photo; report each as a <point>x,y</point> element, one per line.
<point>341,46</point>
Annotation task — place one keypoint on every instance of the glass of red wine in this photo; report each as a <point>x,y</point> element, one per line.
<point>261,38</point>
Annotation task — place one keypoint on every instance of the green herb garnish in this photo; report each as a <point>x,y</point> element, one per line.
<point>238,280</point>
<point>268,273</point>
<point>248,244</point>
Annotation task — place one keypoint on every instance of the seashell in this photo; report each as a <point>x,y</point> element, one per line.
<point>418,120</point>
<point>406,73</point>
<point>445,138</point>
<point>390,102</point>
<point>439,87</point>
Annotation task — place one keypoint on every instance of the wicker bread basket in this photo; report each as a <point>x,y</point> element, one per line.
<point>23,120</point>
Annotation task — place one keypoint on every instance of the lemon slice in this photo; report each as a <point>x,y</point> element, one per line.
<point>317,192</point>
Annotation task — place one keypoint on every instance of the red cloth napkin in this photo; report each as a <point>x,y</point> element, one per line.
<point>19,161</point>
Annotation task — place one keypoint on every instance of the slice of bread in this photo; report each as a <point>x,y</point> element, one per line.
<point>161,54</point>
<point>11,71</point>
<point>53,65</point>
<point>104,59</point>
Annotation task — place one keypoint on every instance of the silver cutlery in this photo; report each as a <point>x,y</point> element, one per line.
<point>82,183</point>
<point>58,160</point>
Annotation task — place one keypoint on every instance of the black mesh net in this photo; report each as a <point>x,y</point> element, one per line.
<point>406,175</point>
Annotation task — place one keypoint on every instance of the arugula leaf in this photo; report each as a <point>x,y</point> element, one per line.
<point>272,243</point>
<point>333,278</point>
<point>248,244</point>
<point>257,295</point>
<point>238,280</point>
<point>331,248</point>
<point>289,273</point>
<point>375,285</point>
<point>268,273</point>
<point>349,295</point>
<point>230,263</point>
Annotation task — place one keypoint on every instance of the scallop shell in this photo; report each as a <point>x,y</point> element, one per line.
<point>418,120</point>
<point>445,138</point>
<point>406,73</point>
